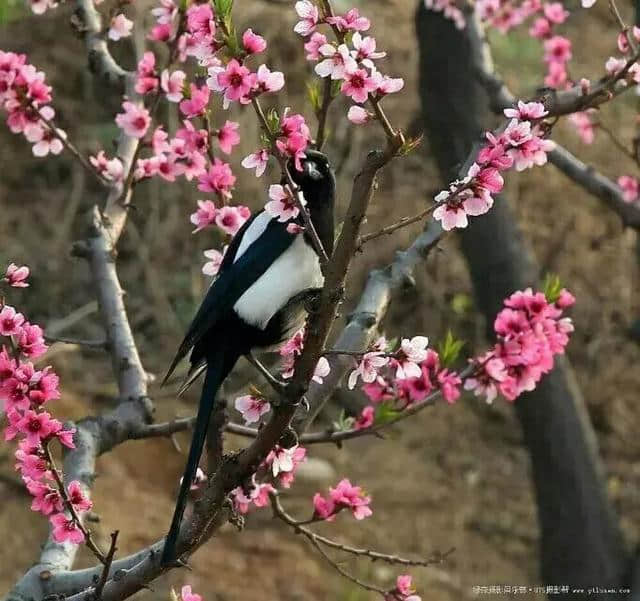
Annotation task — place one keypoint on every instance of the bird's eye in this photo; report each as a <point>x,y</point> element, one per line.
<point>311,170</point>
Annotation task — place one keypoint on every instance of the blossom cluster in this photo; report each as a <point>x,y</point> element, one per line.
<point>24,392</point>
<point>403,377</point>
<point>521,145</point>
<point>530,330</point>
<point>344,496</point>
<point>350,60</point>
<point>25,97</point>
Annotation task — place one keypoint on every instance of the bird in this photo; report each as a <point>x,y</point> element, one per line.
<point>257,302</point>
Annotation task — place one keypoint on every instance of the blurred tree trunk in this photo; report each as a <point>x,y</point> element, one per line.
<point>581,544</point>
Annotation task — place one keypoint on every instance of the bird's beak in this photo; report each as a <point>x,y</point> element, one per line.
<point>311,170</point>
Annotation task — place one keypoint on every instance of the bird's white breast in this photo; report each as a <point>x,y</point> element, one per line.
<point>295,270</point>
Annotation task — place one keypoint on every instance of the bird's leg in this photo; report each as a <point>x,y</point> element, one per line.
<point>276,384</point>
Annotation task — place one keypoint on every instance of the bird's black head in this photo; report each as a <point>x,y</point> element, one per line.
<point>318,184</point>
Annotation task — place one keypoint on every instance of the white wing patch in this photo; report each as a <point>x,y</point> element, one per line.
<point>252,233</point>
<point>295,270</point>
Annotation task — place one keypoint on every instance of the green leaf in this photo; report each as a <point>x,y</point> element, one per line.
<point>335,88</point>
<point>314,95</point>
<point>343,423</point>
<point>461,303</point>
<point>173,596</point>
<point>273,121</point>
<point>410,145</point>
<point>552,287</point>
<point>385,413</point>
<point>223,8</point>
<point>449,349</point>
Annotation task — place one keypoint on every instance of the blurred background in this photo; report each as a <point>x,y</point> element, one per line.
<point>455,476</point>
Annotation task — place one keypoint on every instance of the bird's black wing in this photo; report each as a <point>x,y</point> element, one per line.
<point>233,281</point>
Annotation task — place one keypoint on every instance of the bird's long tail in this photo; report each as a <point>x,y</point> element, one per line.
<point>217,370</point>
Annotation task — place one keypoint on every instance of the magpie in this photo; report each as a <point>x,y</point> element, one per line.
<point>257,302</point>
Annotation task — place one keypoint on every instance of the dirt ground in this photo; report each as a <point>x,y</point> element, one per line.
<point>455,476</point>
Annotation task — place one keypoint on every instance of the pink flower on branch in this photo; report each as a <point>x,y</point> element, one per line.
<point>283,205</point>
<point>231,219</point>
<point>197,103</point>
<point>351,21</point>
<point>252,408</point>
<point>134,121</point>
<point>16,276</point>
<point>258,161</point>
<point>228,136</point>
<point>219,179</point>
<point>120,27</point>
<point>172,84</point>
<point>630,188</point>
<point>212,266</point>
<point>205,216</point>
<point>65,529</point>
<point>253,43</point>
<point>309,17</point>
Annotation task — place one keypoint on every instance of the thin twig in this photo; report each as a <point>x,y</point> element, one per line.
<point>389,229</point>
<point>72,149</point>
<point>69,505</point>
<point>94,344</point>
<point>280,512</point>
<point>107,566</point>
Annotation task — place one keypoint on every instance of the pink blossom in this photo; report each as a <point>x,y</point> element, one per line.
<point>336,61</point>
<point>77,497</point>
<point>194,139</point>
<point>205,216</point>
<point>161,32</point>
<point>403,591</point>
<point>258,161</point>
<point>46,500</point>
<point>281,459</point>
<point>172,84</point>
<point>228,136</point>
<point>187,595</point>
<point>368,368</point>
<point>16,276</point>
<point>110,169</point>
<point>584,126</point>
<point>449,385</point>
<point>358,85</point>
<point>351,21</point>
<point>120,27</point>
<point>65,529</point>
<point>268,81</point>
<point>36,426</point>
<point>359,115</point>
<point>298,456</point>
<point>10,321</point>
<point>526,111</point>
<point>39,7</point>
<point>323,508</point>
<point>365,419</point>
<point>346,495</point>
<point>614,65</point>
<point>236,81</point>
<point>557,49</point>
<point>630,188</point>
<point>196,105</point>
<point>321,371</point>
<point>215,257</point>
<point>451,216</point>
<point>541,28</point>
<point>146,80</point>
<point>231,219</point>
<point>555,12</point>
<point>556,76</point>
<point>134,121</point>
<point>252,408</point>
<point>517,132</point>
<point>282,205</point>
<point>253,43</point>
<point>309,17</point>
<point>387,85</point>
<point>365,49</point>
<point>312,47</point>
<point>219,178</point>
